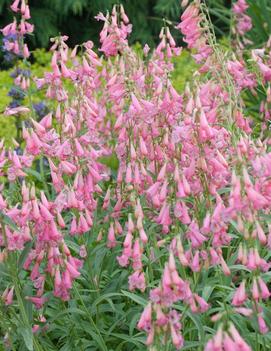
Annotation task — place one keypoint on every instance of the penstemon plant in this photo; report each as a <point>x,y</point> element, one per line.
<point>133,208</point>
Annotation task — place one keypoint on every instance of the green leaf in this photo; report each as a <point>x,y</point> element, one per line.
<point>192,345</point>
<point>136,341</point>
<point>207,291</point>
<point>72,310</point>
<point>35,174</point>
<point>135,298</point>
<point>98,339</point>
<point>110,161</point>
<point>8,221</point>
<point>27,335</point>
<point>24,254</point>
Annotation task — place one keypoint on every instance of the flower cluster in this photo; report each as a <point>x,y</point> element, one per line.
<point>14,32</point>
<point>195,35</point>
<point>243,21</point>
<point>187,206</point>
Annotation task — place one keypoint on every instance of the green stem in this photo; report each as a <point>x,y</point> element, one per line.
<point>43,177</point>
<point>104,348</point>
<point>23,313</point>
<point>13,273</point>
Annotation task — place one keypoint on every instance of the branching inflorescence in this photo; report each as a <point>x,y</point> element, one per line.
<point>192,181</point>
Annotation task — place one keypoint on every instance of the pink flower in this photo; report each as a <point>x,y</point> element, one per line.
<point>111,240</point>
<point>265,70</point>
<point>264,291</point>
<point>240,295</point>
<point>195,236</point>
<point>262,325</point>
<point>177,338</point>
<point>137,281</point>
<point>8,296</point>
<point>146,318</point>
<point>83,251</point>
<point>37,301</point>
<point>16,110</point>
<point>15,5</point>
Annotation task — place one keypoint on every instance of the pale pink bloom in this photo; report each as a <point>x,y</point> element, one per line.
<point>240,6</point>
<point>224,266</point>
<point>16,110</point>
<point>161,317</point>
<point>111,240</point>
<point>215,259</point>
<point>83,225</point>
<point>15,5</point>
<point>83,251</point>
<point>150,336</point>
<point>177,338</point>
<point>216,343</point>
<point>137,281</point>
<point>181,212</point>
<point>242,122</point>
<point>257,199</point>
<point>146,318</point>
<point>7,29</point>
<point>152,191</point>
<point>143,236</point>
<point>162,173</point>
<point>242,77</point>
<point>131,226</point>
<point>202,304</point>
<point>164,215</point>
<point>262,325</point>
<point>239,296</point>
<point>264,291</point>
<point>265,70</point>
<point>238,339</point>
<point>26,14</point>
<point>146,49</point>
<point>247,312</point>
<point>205,131</point>
<point>8,296</point>
<point>37,301</point>
<point>195,264</point>
<point>137,255</point>
<point>251,261</point>
<point>72,269</point>
<point>195,236</point>
<point>255,290</point>
<point>260,233</point>
<point>244,24</point>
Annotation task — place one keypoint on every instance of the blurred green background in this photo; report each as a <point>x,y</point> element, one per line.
<point>76,18</point>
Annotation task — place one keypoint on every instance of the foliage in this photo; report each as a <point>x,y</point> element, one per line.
<point>135,202</point>
<point>7,125</point>
<point>260,12</point>
<point>38,68</point>
<point>183,70</point>
<point>76,18</point>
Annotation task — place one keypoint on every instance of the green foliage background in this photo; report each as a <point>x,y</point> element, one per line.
<point>76,17</point>
<point>76,325</point>
<point>40,65</point>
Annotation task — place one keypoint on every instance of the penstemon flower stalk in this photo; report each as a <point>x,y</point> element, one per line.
<point>184,212</point>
